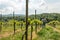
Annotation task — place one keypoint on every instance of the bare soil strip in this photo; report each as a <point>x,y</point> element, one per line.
<point>55,29</point>
<point>6,34</point>
<point>34,35</point>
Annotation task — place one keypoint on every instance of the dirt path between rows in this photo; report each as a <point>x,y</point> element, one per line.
<point>34,35</point>
<point>55,29</point>
<point>6,34</point>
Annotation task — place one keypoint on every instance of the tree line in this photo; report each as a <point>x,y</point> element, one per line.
<point>48,16</point>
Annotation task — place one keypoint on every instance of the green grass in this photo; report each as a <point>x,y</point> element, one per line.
<point>13,37</point>
<point>17,36</point>
<point>48,34</point>
<point>8,29</point>
<point>45,34</point>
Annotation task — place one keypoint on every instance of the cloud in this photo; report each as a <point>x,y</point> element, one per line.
<point>55,7</point>
<point>37,5</point>
<point>9,5</point>
<point>19,6</point>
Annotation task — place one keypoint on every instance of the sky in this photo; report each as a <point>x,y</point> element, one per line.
<point>19,6</point>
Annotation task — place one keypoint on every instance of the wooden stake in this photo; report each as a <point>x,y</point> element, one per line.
<point>26,19</point>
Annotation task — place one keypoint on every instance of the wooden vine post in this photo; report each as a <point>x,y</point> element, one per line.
<point>14,22</point>
<point>26,19</point>
<point>1,24</point>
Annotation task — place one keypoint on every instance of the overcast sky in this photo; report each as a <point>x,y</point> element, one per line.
<point>8,6</point>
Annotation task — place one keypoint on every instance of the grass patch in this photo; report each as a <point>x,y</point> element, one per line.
<point>48,34</point>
